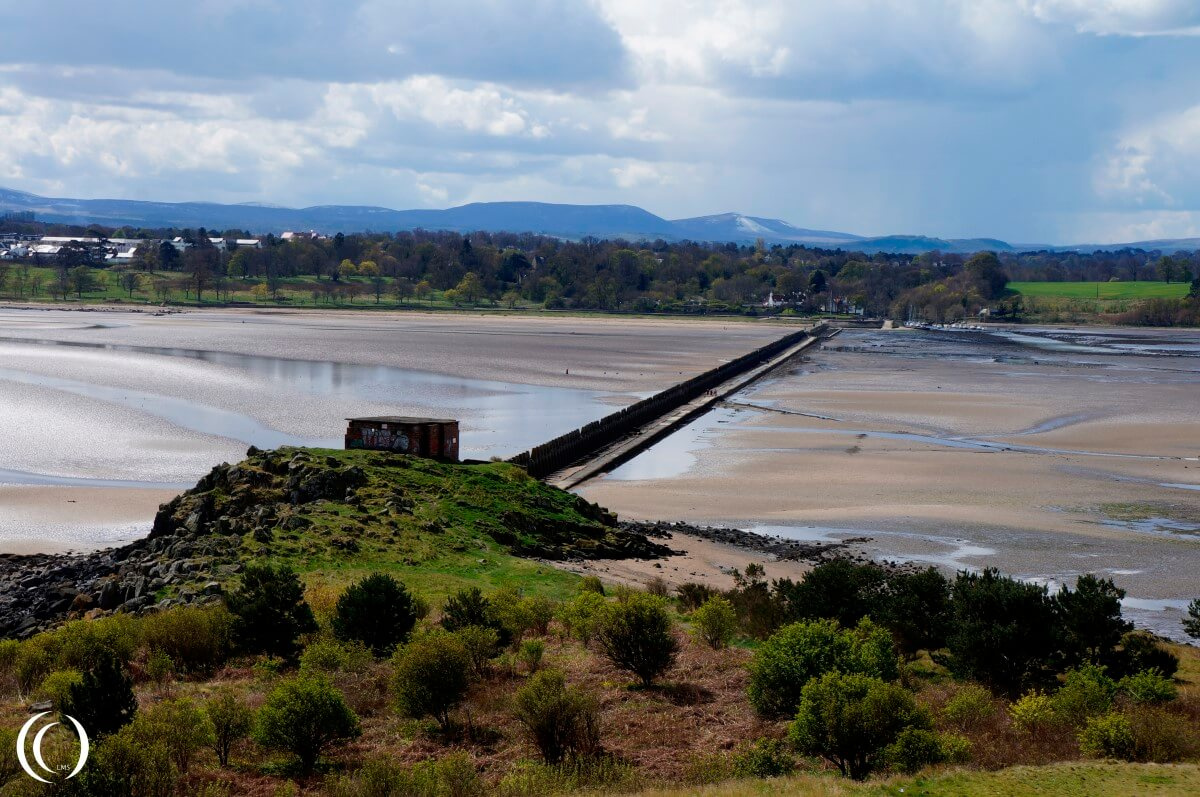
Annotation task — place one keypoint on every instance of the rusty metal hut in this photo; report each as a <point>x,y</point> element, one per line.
<point>435,438</point>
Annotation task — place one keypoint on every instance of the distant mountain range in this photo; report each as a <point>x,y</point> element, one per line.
<point>564,221</point>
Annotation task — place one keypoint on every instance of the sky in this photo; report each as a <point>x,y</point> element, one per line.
<point>1035,121</point>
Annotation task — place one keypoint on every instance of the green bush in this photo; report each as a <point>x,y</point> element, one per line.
<point>1090,619</point>
<point>599,774</point>
<point>531,653</point>
<point>196,638</point>
<point>270,612</point>
<point>82,644</point>
<point>1141,651</point>
<point>451,775</point>
<point>469,607</point>
<point>715,622</point>
<point>377,611</point>
<point>1191,621</point>
<point>635,635</point>
<point>482,645</point>
<point>159,666</point>
<point>179,725</point>
<point>1085,693</point>
<point>560,720</point>
<point>519,614</point>
<point>581,615</point>
<point>125,764</point>
<point>956,749</point>
<point>766,758</point>
<point>851,720</point>
<point>304,716</point>
<point>103,700</point>
<point>693,595</point>
<point>796,653</point>
<point>431,675</point>
<point>969,707</point>
<point>231,721</point>
<point>913,750</point>
<point>1148,686</point>
<point>592,584</point>
<point>329,656</point>
<point>1108,736</point>
<point>56,687</point>
<point>1033,713</point>
<point>1162,736</point>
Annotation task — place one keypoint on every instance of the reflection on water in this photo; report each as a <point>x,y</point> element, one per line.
<point>676,454</point>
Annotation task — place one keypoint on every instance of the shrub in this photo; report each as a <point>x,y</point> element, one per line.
<point>34,660</point>
<point>851,720</point>
<point>969,707</point>
<point>692,595</point>
<point>560,720</point>
<point>600,774</point>
<point>1090,619</point>
<point>766,758</point>
<point>838,590</point>
<point>327,655</point>
<point>431,674</point>
<point>913,750</point>
<point>304,716</point>
<point>1191,621</point>
<point>539,611</point>
<point>1141,651</point>
<point>1085,692</point>
<point>801,651</point>
<point>124,764</point>
<point>635,635</point>
<point>1108,736</point>
<point>715,622</point>
<point>82,644</point>
<point>179,725</point>
<point>56,687</point>
<point>231,721</point>
<point>196,638</point>
<point>452,775</point>
<point>532,651</point>
<point>1162,736</point>
<point>103,700</point>
<point>159,666</point>
<point>658,587</point>
<point>581,615</point>
<point>269,611</point>
<point>956,749</point>
<point>592,584</point>
<point>377,611</point>
<point>1004,633</point>
<point>482,645</point>
<point>916,608</point>
<point>469,607</point>
<point>1034,712</point>
<point>1147,686</point>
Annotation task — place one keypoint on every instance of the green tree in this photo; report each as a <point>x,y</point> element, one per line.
<point>470,287</point>
<point>1090,618</point>
<point>231,720</point>
<point>850,719</point>
<point>103,701</point>
<point>469,607</point>
<point>715,622</point>
<point>178,724</point>
<point>635,634</point>
<point>269,611</point>
<point>130,281</point>
<point>431,675</point>
<point>985,269</point>
<point>562,721</point>
<point>377,611</point>
<point>83,280</point>
<point>799,652</point>
<point>304,716</point>
<point>1191,622</point>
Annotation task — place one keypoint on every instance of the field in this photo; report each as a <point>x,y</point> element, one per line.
<point>1102,290</point>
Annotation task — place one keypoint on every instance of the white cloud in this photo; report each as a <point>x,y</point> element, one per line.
<point>1156,162</point>
<point>1121,17</point>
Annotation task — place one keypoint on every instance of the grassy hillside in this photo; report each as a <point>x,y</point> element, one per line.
<point>1105,291</point>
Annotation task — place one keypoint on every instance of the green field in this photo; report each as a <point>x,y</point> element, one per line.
<point>1102,290</point>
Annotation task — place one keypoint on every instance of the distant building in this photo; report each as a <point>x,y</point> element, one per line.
<point>435,438</point>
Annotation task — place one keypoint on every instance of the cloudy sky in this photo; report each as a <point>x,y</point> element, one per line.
<point>1030,120</point>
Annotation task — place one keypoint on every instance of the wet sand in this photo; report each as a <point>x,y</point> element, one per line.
<point>958,450</point>
<point>144,405</point>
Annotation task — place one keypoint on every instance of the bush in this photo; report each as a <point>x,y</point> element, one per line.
<point>469,607</point>
<point>103,700</point>
<point>1147,686</point>
<point>159,666</point>
<point>1090,619</point>
<point>1141,651</point>
<point>766,758</point>
<point>692,595</point>
<point>270,612</point>
<point>377,611</point>
<point>327,655</point>
<point>635,635</point>
<point>592,584</point>
<point>1005,632</point>
<point>796,653</point>
<point>1108,736</point>
<point>581,615</point>
<point>1033,713</point>
<point>304,716</point>
<point>600,774</point>
<point>715,622</point>
<point>1162,736</point>
<point>1085,692</point>
<point>838,590</point>
<point>124,764</point>
<point>969,707</point>
<point>196,638</point>
<point>851,720</point>
<point>179,725</point>
<point>1191,621</point>
<point>56,687</point>
<point>913,750</point>
<point>916,608</point>
<point>231,722</point>
<point>431,675</point>
<point>452,775</point>
<point>955,749</point>
<point>82,644</point>
<point>560,720</point>
<point>532,651</point>
<point>482,645</point>
<point>519,614</point>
